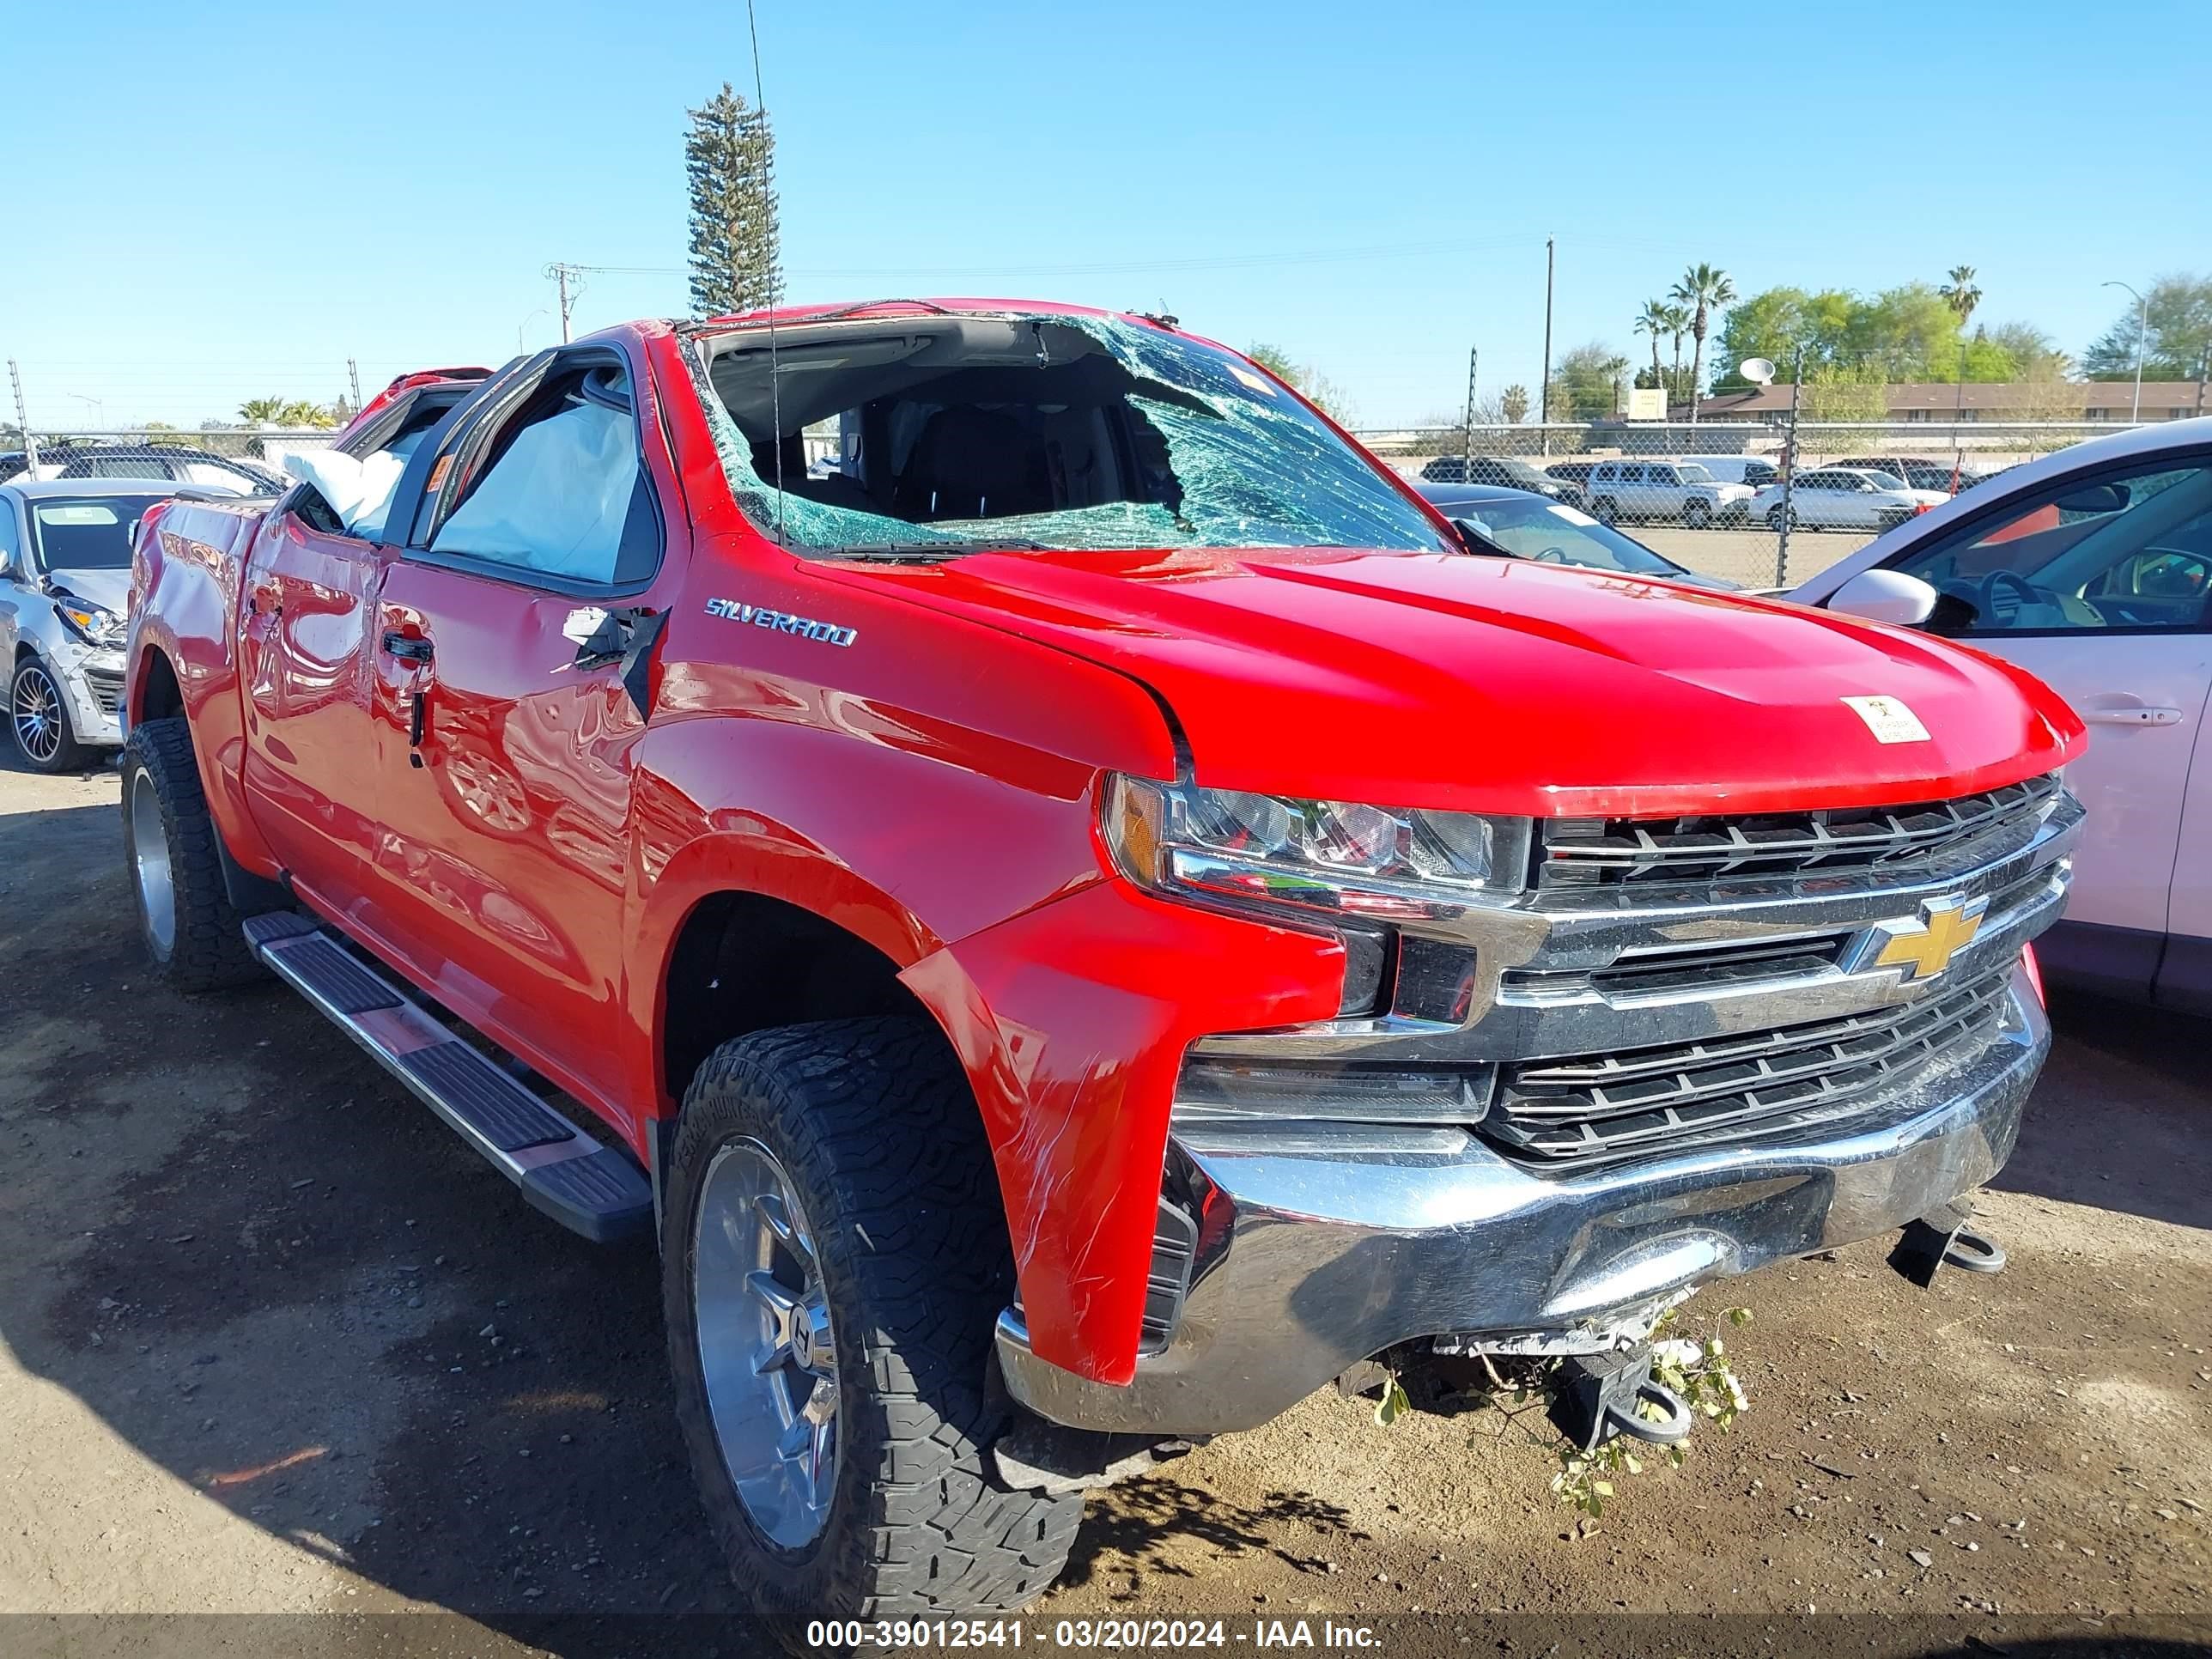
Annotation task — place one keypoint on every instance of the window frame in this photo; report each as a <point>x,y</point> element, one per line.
<point>1990,514</point>
<point>457,460</point>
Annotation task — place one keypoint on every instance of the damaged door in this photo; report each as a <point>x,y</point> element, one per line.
<point>508,691</point>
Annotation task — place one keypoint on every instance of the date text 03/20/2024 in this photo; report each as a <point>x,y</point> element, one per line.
<point>1107,1634</point>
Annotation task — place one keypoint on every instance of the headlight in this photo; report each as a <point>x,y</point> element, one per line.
<point>90,623</point>
<point>1339,857</point>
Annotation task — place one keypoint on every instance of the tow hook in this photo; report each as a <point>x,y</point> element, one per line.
<point>1943,1237</point>
<point>1603,1395</point>
<point>1035,1456</point>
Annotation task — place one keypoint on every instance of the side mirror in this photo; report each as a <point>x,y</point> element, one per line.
<point>1886,596</point>
<point>2096,498</point>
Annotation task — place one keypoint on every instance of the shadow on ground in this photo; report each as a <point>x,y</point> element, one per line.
<point>2118,1120</point>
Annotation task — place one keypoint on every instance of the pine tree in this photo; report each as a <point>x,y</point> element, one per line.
<point>730,154</point>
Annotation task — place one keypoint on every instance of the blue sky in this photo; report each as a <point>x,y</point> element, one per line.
<point>211,202</point>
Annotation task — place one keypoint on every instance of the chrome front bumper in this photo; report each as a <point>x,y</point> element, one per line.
<point>1312,1261</point>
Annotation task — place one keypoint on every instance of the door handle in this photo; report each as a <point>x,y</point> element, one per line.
<point>2140,714</point>
<point>408,648</point>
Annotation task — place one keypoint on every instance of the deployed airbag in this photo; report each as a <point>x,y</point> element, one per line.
<point>556,499</point>
<point>359,488</point>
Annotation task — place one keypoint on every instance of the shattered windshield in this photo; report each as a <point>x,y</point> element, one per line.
<point>932,436</point>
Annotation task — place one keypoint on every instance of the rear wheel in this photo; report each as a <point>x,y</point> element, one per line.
<point>1606,510</point>
<point>1696,513</point>
<point>190,929</point>
<point>39,715</point>
<point>834,1268</point>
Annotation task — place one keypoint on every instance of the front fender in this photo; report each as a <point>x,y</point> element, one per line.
<point>1071,1021</point>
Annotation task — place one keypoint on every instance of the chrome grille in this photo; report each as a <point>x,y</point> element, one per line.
<point>107,689</point>
<point>1593,853</point>
<point>1556,1111</point>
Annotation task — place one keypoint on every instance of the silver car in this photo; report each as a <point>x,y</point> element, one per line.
<point>1663,490</point>
<point>64,576</point>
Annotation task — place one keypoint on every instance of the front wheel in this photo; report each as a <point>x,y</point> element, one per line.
<point>1697,514</point>
<point>1776,518</point>
<point>834,1264</point>
<point>40,714</point>
<point>1606,510</point>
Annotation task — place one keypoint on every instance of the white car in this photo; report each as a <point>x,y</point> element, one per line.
<point>1662,489</point>
<point>1750,470</point>
<point>64,576</point>
<point>1844,498</point>
<point>2090,569</point>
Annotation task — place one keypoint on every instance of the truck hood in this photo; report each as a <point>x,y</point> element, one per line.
<point>1505,686</point>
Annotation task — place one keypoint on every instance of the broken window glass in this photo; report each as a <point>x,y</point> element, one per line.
<point>953,432</point>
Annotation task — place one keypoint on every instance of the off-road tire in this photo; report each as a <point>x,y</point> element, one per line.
<point>209,952</point>
<point>69,755</point>
<point>874,1124</point>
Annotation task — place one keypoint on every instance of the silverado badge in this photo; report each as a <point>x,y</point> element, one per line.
<point>1922,945</point>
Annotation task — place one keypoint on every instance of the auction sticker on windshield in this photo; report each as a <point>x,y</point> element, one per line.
<point>1890,720</point>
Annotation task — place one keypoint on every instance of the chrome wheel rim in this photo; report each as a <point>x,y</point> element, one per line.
<point>150,865</point>
<point>766,1348</point>
<point>38,714</point>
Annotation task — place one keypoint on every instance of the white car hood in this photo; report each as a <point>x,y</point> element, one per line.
<point>108,589</point>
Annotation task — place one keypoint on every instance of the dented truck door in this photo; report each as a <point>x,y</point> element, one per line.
<point>506,697</point>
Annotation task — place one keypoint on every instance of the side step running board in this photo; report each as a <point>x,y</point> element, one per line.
<point>587,1188</point>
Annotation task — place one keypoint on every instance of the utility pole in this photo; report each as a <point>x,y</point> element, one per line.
<point>1467,431</point>
<point>1789,472</point>
<point>353,379</point>
<point>560,273</point>
<point>1544,400</point>
<point>22,421</point>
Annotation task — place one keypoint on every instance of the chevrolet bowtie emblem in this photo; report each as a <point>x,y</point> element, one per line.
<point>1921,946</point>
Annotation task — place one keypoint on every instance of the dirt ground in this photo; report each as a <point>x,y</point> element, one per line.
<point>271,1340</point>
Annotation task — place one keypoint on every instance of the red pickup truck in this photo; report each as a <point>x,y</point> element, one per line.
<point>1075,906</point>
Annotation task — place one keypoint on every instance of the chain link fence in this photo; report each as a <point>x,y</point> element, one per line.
<point>247,463</point>
<point>1724,498</point>
<point>1709,495</point>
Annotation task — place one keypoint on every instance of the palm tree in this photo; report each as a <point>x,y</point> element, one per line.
<point>1678,324</point>
<point>1707,290</point>
<point>1960,294</point>
<point>1513,403</point>
<point>1652,321</point>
